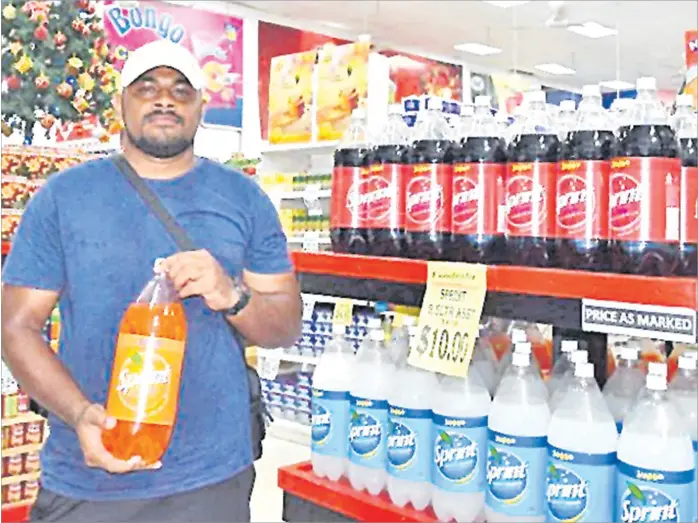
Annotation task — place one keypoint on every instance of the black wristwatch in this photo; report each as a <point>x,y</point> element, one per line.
<point>245,295</point>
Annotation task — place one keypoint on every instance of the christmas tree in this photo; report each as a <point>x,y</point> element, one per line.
<point>56,66</point>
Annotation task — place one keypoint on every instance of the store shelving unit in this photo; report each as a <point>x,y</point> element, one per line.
<point>549,296</point>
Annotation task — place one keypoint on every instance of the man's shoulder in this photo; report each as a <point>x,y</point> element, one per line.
<point>229,179</point>
<point>80,176</point>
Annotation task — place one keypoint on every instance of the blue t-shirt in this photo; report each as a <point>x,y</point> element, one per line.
<point>88,234</point>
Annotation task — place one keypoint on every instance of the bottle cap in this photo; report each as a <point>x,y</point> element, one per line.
<point>687,362</point>
<point>584,370</point>
<point>374,323</point>
<point>656,382</point>
<point>467,110</point>
<point>569,345</point>
<point>684,100</point>
<point>523,347</point>
<point>657,368</point>
<point>580,356</point>
<point>568,105</point>
<point>518,336</point>
<point>358,113</point>
<point>338,328</point>
<point>157,266</point>
<point>521,359</point>
<point>629,353</point>
<point>534,96</point>
<point>486,101</point>
<point>647,83</point>
<point>591,90</point>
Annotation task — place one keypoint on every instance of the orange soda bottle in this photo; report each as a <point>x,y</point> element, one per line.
<point>144,388</point>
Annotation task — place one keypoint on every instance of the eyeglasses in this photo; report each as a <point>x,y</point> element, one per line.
<point>147,89</point>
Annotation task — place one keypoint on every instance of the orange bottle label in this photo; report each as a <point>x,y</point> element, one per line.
<point>145,381</point>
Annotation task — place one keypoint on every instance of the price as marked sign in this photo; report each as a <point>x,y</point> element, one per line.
<point>450,318</point>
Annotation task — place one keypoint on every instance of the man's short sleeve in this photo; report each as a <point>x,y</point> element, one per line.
<point>36,257</point>
<point>267,251</point>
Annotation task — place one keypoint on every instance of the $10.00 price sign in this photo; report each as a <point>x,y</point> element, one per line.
<point>450,318</point>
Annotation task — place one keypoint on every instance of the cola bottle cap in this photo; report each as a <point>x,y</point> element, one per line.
<point>580,356</point>
<point>584,370</point>
<point>591,90</point>
<point>657,368</point>
<point>647,83</point>
<point>569,345</point>
<point>524,347</point>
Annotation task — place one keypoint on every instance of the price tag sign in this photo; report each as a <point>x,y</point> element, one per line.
<point>311,241</point>
<point>450,318</point>
<point>308,308</point>
<point>343,310</point>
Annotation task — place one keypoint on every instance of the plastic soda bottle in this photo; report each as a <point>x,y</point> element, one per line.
<point>330,407</point>
<point>577,357</point>
<point>517,441</point>
<point>563,366</point>
<point>144,386</point>
<point>582,444</point>
<point>459,472</point>
<point>656,467</point>
<point>622,387</point>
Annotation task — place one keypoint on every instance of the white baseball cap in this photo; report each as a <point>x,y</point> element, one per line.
<point>162,53</point>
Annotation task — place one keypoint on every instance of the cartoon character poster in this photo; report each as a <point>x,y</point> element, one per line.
<point>214,38</point>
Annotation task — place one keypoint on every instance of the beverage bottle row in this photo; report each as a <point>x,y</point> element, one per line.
<point>533,453</point>
<point>590,190</point>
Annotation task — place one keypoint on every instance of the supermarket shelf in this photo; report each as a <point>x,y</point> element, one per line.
<point>24,449</point>
<point>19,504</point>
<point>25,417</point>
<point>322,240</point>
<point>309,498</point>
<point>300,148</point>
<point>20,478</point>
<point>321,298</point>
<point>550,296</point>
<point>289,431</point>
<point>298,195</point>
<point>17,512</point>
<point>284,356</point>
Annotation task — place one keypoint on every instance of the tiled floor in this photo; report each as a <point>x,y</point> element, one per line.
<point>266,497</point>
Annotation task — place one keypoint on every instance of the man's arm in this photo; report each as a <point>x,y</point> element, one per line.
<point>25,312</point>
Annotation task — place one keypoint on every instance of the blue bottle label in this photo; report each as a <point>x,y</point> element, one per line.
<point>579,486</point>
<point>330,418</point>
<point>368,430</point>
<point>460,453</point>
<point>409,444</point>
<point>516,474</point>
<point>646,495</point>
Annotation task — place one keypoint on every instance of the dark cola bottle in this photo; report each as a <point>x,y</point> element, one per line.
<point>686,125</point>
<point>582,187</point>
<point>479,168</point>
<point>529,208</point>
<point>645,190</point>
<point>347,211</point>
<point>385,192</point>
<point>428,185</point>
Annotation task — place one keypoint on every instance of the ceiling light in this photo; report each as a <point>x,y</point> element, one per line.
<point>556,69</point>
<point>616,85</point>
<point>476,48</point>
<point>592,30</point>
<point>506,4</point>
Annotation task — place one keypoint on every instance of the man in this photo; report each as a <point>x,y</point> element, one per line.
<point>88,240</point>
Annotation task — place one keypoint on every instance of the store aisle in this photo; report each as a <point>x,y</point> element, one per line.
<point>267,496</point>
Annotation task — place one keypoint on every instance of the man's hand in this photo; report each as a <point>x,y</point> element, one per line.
<point>198,273</point>
<point>89,427</point>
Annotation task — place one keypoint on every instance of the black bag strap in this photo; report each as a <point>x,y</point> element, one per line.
<point>180,237</point>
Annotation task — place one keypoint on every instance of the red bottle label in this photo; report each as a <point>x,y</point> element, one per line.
<point>381,202</point>
<point>428,198</point>
<point>530,199</point>
<point>689,205</point>
<point>346,182</point>
<point>475,198</point>
<point>640,189</point>
<point>582,199</point>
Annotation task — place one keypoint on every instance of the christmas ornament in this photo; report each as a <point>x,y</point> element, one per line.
<point>86,82</point>
<point>72,81</point>
<point>80,104</point>
<point>121,53</point>
<point>55,110</point>
<point>78,25</point>
<point>6,129</point>
<point>24,64</point>
<point>9,13</point>
<point>41,33</point>
<point>75,64</point>
<point>90,9</point>
<point>16,47</point>
<point>95,27</point>
<point>41,81</point>
<point>47,121</point>
<point>64,90</point>
<point>59,40</point>
<point>14,82</point>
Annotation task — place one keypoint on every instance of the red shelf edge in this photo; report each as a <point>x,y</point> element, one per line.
<point>557,283</point>
<point>6,247</point>
<point>300,481</point>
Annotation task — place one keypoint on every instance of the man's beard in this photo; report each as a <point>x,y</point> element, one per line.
<point>161,149</point>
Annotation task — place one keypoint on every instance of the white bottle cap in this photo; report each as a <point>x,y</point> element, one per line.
<point>338,328</point>
<point>523,347</point>
<point>521,359</point>
<point>358,113</point>
<point>657,368</point>
<point>684,100</point>
<point>591,90</point>
<point>687,361</point>
<point>568,105</point>
<point>647,83</point>
<point>629,353</point>
<point>157,266</point>
<point>584,370</point>
<point>518,336</point>
<point>569,345</point>
<point>534,97</point>
<point>395,109</point>
<point>376,334</point>
<point>656,382</point>
<point>467,110</point>
<point>580,356</point>
<point>486,101</point>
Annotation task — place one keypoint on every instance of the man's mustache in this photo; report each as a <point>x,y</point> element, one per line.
<point>152,115</point>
